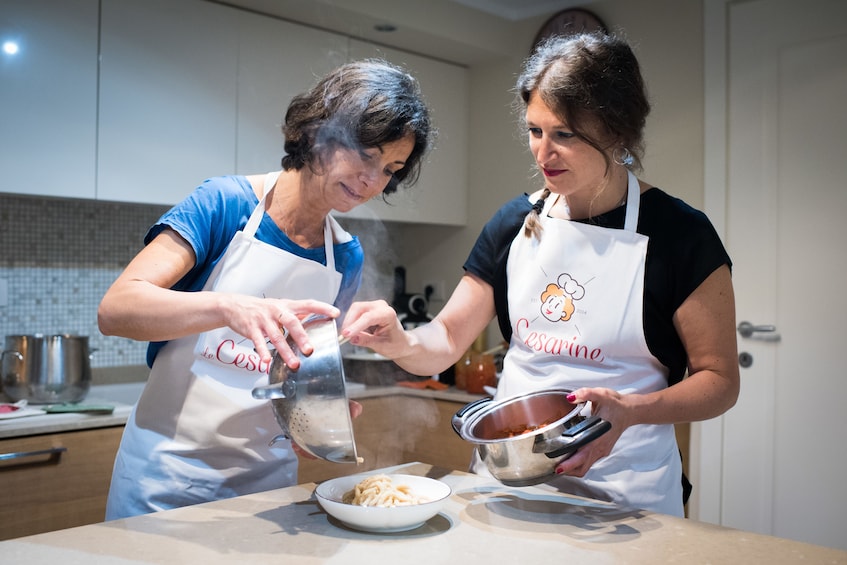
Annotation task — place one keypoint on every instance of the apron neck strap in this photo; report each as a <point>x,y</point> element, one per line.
<point>633,202</point>
<point>259,212</point>
<point>330,254</point>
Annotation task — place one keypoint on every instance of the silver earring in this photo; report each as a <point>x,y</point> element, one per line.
<point>622,156</point>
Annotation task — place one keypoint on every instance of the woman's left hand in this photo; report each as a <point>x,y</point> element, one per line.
<point>612,407</point>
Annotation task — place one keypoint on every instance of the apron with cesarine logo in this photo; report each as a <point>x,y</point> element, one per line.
<point>576,308</point>
<point>197,434</point>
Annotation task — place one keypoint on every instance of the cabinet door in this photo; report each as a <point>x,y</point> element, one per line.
<point>276,61</point>
<point>440,196</point>
<point>48,97</point>
<point>168,76</point>
<point>56,481</point>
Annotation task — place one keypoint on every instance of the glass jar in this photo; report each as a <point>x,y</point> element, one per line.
<point>480,373</point>
<point>462,366</point>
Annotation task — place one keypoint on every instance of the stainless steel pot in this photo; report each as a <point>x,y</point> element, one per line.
<point>521,439</point>
<point>46,369</point>
<point>310,404</point>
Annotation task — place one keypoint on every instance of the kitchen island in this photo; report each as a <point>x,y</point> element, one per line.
<point>58,466</point>
<point>482,522</point>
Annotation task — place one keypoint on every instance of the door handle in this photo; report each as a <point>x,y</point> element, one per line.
<point>748,330</point>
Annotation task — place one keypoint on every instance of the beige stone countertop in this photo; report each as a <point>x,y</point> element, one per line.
<point>483,521</point>
<point>124,395</point>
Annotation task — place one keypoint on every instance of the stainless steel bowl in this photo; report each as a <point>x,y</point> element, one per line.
<point>311,404</point>
<point>521,439</point>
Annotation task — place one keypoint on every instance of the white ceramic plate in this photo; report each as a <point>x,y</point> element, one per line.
<point>383,520</point>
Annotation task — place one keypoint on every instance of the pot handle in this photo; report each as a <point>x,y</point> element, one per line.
<point>10,352</point>
<point>573,438</point>
<point>459,417</point>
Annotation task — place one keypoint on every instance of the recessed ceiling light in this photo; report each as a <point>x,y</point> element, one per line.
<point>10,47</point>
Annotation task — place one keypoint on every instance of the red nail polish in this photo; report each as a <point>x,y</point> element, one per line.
<point>559,471</point>
<point>571,397</point>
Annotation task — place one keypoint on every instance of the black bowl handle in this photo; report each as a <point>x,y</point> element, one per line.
<point>575,437</point>
<point>458,420</point>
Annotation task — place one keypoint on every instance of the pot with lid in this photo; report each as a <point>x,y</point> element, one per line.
<point>310,404</point>
<point>46,369</point>
<point>522,438</point>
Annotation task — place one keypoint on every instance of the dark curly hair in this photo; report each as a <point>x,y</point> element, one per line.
<point>360,105</point>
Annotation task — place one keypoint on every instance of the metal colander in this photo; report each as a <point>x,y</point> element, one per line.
<point>311,404</point>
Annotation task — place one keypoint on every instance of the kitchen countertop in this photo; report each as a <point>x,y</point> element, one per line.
<point>124,395</point>
<point>482,522</point>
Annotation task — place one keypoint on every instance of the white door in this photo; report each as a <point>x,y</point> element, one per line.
<point>779,453</point>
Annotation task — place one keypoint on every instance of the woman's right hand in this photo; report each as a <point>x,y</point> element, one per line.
<point>269,320</point>
<point>375,325</point>
<point>429,348</point>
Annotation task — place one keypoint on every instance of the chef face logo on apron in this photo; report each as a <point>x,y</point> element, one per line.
<point>557,307</point>
<point>575,295</point>
<point>557,299</point>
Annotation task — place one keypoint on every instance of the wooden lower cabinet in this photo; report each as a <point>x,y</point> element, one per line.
<point>398,429</point>
<point>64,483</point>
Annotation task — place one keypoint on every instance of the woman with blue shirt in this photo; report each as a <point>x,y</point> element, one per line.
<point>237,265</point>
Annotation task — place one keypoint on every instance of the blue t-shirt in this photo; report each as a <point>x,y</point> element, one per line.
<point>209,218</point>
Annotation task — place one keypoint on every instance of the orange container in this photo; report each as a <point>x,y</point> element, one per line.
<point>462,367</point>
<point>480,373</point>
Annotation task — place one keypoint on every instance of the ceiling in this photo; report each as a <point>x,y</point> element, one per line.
<point>462,31</point>
<point>515,10</point>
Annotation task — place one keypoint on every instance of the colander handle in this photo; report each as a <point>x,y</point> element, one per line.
<point>458,421</point>
<point>284,389</point>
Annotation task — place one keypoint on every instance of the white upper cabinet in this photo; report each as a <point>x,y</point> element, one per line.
<point>168,83</point>
<point>440,195</point>
<point>277,60</point>
<point>187,90</point>
<point>48,97</point>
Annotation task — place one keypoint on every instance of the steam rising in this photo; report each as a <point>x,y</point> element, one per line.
<point>379,242</point>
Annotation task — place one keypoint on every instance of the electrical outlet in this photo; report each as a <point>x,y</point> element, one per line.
<point>439,293</point>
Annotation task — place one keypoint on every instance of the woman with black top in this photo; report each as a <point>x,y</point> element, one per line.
<point>601,283</point>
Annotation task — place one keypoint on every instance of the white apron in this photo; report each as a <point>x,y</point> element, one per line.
<point>576,306</point>
<point>196,433</point>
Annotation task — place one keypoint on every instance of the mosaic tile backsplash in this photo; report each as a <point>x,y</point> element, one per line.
<point>59,256</point>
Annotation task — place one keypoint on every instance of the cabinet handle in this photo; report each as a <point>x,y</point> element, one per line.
<point>53,452</point>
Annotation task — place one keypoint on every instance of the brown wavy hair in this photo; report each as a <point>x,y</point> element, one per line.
<point>593,83</point>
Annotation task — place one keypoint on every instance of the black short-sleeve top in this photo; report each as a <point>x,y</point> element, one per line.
<point>683,249</point>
